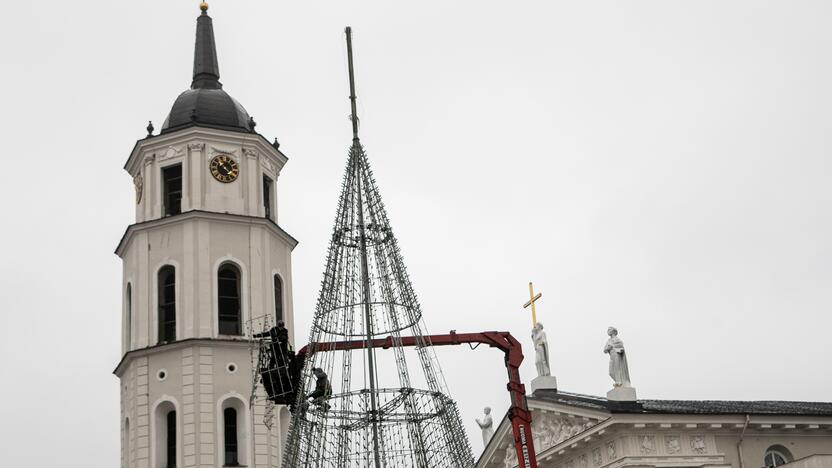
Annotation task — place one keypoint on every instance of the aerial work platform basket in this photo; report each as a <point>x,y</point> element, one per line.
<point>275,365</point>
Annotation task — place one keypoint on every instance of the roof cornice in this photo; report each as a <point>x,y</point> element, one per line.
<point>205,133</point>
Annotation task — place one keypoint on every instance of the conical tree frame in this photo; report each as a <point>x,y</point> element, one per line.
<point>378,415</point>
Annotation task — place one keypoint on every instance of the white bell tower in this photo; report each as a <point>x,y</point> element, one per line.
<point>205,255</point>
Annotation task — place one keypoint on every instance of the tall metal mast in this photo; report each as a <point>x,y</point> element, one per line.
<point>377,417</point>
<point>354,114</point>
<point>365,270</point>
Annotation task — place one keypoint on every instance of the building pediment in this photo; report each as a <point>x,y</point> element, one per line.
<point>552,425</point>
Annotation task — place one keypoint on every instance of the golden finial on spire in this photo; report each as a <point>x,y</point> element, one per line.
<point>203,6</point>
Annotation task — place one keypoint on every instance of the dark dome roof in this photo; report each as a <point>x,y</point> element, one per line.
<point>206,103</point>
<point>209,107</point>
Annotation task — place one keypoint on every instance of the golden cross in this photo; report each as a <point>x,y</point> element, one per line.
<point>532,299</point>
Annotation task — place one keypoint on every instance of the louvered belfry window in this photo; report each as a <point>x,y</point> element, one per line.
<point>267,196</point>
<point>167,304</point>
<point>228,299</point>
<point>172,189</point>
<point>278,298</point>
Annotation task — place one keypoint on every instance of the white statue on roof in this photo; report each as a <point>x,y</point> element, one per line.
<point>619,371</point>
<point>541,350</point>
<point>486,425</point>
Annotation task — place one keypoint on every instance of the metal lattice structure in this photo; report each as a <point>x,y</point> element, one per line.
<point>378,414</point>
<point>259,350</point>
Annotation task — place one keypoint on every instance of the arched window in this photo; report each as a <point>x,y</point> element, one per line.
<point>278,298</point>
<point>233,435</point>
<point>167,304</point>
<point>170,440</point>
<point>231,446</point>
<point>776,456</point>
<point>128,325</point>
<point>165,444</point>
<point>126,444</point>
<point>228,299</point>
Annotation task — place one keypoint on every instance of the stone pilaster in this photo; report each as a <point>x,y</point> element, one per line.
<point>197,173</point>
<point>261,433</point>
<point>142,415</point>
<point>207,449</point>
<point>188,409</point>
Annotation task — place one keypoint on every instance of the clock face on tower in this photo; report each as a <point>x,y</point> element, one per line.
<point>224,168</point>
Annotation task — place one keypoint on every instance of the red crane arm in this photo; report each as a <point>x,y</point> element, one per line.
<point>518,412</point>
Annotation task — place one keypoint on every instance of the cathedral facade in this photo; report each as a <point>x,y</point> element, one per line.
<point>581,431</point>
<point>204,259</point>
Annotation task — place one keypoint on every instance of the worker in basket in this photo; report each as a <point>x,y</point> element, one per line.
<point>279,337</point>
<point>275,374</point>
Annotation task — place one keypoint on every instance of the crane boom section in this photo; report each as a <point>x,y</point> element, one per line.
<point>518,412</point>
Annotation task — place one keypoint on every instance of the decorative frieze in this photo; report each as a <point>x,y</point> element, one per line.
<point>171,152</point>
<point>648,445</point>
<point>697,444</point>
<point>550,430</point>
<point>672,444</point>
<point>611,454</point>
<point>215,150</point>
<point>138,183</point>
<point>510,458</point>
<point>268,166</point>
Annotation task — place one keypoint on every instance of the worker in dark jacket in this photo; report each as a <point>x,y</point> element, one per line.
<point>282,334</point>
<point>278,333</point>
<point>279,337</point>
<point>322,388</point>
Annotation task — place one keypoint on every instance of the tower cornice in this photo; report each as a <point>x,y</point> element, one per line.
<point>203,134</point>
<point>242,343</point>
<point>134,229</point>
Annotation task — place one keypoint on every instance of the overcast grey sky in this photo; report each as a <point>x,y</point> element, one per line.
<point>661,166</point>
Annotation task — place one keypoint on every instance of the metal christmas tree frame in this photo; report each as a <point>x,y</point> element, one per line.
<point>378,414</point>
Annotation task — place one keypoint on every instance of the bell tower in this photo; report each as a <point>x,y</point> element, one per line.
<point>205,256</point>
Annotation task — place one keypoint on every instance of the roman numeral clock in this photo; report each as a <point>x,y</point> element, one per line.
<point>224,168</point>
